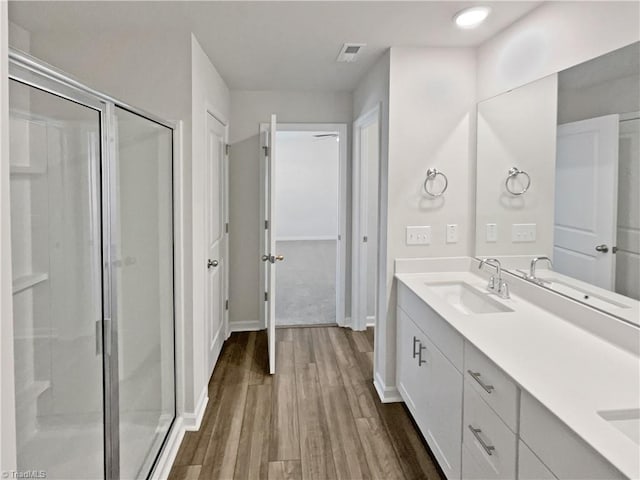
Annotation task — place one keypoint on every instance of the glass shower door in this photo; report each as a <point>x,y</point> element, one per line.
<point>142,273</point>
<point>57,290</point>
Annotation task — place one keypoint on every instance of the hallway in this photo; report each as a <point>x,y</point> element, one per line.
<point>318,417</point>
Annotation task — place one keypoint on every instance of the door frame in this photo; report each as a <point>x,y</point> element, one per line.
<point>358,218</point>
<point>341,263</point>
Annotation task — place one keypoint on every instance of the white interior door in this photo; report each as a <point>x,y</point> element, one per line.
<point>269,257</point>
<point>586,200</point>
<point>215,238</point>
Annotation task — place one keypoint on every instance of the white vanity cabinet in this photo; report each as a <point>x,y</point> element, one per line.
<point>565,454</point>
<point>431,386</point>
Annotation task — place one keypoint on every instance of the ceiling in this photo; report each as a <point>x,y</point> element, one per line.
<point>290,45</point>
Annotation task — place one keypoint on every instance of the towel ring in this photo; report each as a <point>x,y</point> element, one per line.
<point>513,173</point>
<point>432,173</point>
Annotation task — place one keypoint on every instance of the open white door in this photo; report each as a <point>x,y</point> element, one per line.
<point>269,257</point>
<point>586,200</point>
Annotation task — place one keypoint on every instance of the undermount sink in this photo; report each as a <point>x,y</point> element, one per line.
<point>466,299</point>
<point>626,421</point>
<point>584,296</point>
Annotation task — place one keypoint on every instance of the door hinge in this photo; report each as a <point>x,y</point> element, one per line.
<point>227,149</point>
<point>266,296</point>
<point>266,151</point>
<point>226,304</point>
<point>266,224</point>
<point>365,239</point>
<point>226,227</point>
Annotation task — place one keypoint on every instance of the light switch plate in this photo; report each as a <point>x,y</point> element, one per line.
<point>491,232</point>
<point>452,233</point>
<point>420,235</point>
<point>523,232</point>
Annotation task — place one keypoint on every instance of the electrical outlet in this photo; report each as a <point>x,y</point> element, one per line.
<point>419,235</point>
<point>491,232</point>
<point>523,232</point>
<point>452,233</point>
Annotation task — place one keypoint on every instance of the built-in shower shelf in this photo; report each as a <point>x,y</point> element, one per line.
<point>33,390</point>
<point>26,170</point>
<point>28,281</point>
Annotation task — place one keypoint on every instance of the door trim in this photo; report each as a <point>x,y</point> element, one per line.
<point>359,319</point>
<point>343,234</point>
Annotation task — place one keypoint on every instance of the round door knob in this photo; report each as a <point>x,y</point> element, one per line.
<point>280,257</point>
<point>602,248</point>
<point>212,263</point>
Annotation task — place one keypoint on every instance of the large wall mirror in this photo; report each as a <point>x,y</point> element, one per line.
<point>558,179</point>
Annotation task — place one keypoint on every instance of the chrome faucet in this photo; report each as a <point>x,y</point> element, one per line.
<point>532,269</point>
<point>496,285</point>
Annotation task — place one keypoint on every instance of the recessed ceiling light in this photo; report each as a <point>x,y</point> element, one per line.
<point>471,17</point>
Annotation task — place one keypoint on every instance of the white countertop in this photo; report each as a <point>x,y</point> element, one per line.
<point>571,371</point>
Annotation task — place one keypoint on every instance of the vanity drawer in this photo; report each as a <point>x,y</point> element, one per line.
<point>492,384</point>
<point>433,325</point>
<point>489,446</point>
<point>558,447</point>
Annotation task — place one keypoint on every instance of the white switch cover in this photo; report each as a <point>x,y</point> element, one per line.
<point>419,235</point>
<point>491,232</point>
<point>523,232</point>
<point>452,233</point>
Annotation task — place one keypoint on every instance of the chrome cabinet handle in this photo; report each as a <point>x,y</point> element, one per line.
<point>476,377</point>
<point>415,342</point>
<point>476,433</point>
<point>602,248</point>
<point>212,263</point>
<point>420,360</point>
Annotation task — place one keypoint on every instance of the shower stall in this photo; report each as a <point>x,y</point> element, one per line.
<point>92,264</point>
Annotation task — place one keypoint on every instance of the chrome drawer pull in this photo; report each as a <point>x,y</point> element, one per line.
<point>476,433</point>
<point>420,360</point>
<point>415,341</point>
<point>476,377</point>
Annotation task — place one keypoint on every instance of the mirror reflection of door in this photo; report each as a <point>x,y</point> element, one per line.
<point>598,173</point>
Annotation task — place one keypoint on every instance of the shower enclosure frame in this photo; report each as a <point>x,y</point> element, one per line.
<point>32,72</point>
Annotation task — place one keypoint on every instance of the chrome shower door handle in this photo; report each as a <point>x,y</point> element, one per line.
<point>602,248</point>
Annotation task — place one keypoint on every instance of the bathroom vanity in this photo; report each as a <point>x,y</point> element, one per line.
<point>530,387</point>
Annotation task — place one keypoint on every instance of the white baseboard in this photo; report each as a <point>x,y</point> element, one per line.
<point>371,321</point>
<point>386,394</point>
<point>169,451</point>
<point>192,421</point>
<point>246,326</point>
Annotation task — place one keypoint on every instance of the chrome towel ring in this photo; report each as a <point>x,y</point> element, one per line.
<point>432,173</point>
<point>512,175</point>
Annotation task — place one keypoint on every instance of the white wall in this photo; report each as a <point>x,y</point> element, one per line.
<point>431,124</point>
<point>551,38</point>
<point>7,398</point>
<point>517,129</point>
<point>248,110</point>
<point>208,92</point>
<point>307,181</point>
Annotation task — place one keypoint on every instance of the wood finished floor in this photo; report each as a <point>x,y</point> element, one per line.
<point>319,417</point>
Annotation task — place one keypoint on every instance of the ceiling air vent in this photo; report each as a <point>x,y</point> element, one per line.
<point>350,51</point>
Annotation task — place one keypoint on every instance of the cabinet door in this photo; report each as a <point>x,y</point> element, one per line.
<point>530,467</point>
<point>443,412</point>
<point>411,387</point>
